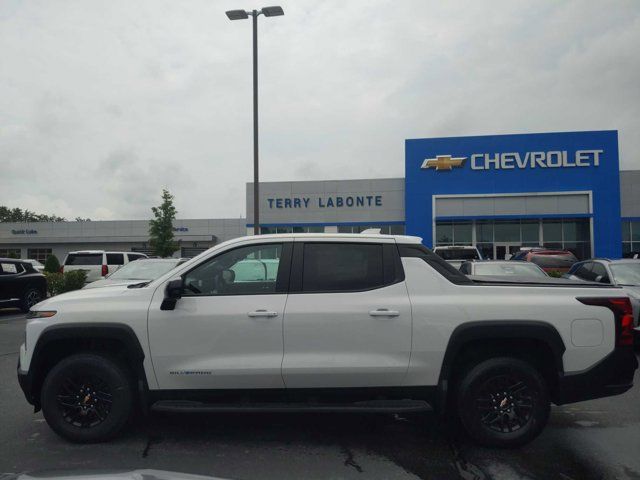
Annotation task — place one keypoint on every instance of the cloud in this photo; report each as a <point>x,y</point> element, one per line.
<point>105,103</point>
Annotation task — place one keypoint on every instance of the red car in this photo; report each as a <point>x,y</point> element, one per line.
<point>549,260</point>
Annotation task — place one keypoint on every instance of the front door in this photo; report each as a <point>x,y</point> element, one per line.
<point>504,251</point>
<point>226,330</point>
<point>348,317</point>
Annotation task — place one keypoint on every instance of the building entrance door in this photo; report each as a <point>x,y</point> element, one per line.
<point>504,251</point>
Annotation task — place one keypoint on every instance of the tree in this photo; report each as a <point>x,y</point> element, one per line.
<point>161,228</point>
<point>19,215</point>
<point>52,264</point>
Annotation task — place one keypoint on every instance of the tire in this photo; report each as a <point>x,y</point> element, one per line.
<point>494,419</point>
<point>29,299</point>
<point>87,398</point>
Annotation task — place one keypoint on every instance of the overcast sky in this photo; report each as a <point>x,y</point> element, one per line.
<point>103,103</point>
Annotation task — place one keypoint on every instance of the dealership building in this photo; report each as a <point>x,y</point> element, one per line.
<point>500,193</point>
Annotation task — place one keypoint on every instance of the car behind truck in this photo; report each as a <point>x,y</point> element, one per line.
<point>344,323</point>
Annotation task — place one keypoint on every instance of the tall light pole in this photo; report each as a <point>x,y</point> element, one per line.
<point>243,15</point>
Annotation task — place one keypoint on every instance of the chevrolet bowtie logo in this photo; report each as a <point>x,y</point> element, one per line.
<point>443,162</point>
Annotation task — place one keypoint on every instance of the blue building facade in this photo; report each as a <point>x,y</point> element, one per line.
<point>502,192</point>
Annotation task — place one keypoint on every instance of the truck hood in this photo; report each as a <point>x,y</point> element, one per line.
<point>83,296</point>
<point>108,282</point>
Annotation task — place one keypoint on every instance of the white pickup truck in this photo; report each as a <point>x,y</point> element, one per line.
<point>344,322</point>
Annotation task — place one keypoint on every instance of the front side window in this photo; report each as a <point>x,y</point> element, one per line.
<point>339,267</point>
<point>251,270</point>
<point>600,273</point>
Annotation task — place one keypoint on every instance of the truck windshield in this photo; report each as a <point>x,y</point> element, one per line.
<point>458,253</point>
<point>500,269</point>
<point>626,273</point>
<point>143,270</point>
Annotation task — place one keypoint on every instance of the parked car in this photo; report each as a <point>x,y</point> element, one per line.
<point>144,270</point>
<point>20,284</point>
<point>36,264</point>
<point>373,323</point>
<point>623,273</point>
<point>501,268</point>
<point>547,259</point>
<point>98,263</point>
<point>456,254</point>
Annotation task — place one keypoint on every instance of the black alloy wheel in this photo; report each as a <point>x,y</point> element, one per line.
<point>87,397</point>
<point>84,402</point>
<point>503,402</point>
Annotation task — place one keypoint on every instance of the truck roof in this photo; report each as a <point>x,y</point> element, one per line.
<point>339,236</point>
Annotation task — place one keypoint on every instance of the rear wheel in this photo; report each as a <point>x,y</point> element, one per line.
<point>87,398</point>
<point>503,402</point>
<point>29,299</point>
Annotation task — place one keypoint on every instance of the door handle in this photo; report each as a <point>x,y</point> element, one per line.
<point>262,313</point>
<point>384,312</point>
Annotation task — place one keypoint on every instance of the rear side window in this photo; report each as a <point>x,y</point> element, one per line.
<point>84,259</point>
<point>435,261</point>
<point>115,259</point>
<point>10,268</point>
<point>335,267</point>
<point>134,256</point>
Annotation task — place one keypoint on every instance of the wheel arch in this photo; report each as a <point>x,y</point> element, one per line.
<point>115,340</point>
<point>536,341</point>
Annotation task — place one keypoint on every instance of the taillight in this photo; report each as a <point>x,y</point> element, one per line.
<point>623,313</point>
<point>61,269</point>
<point>105,270</point>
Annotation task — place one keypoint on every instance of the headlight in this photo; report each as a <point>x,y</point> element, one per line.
<point>41,314</point>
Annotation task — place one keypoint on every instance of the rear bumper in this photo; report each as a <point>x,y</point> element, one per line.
<point>613,375</point>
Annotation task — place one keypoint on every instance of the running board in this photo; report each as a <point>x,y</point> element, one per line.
<point>375,406</point>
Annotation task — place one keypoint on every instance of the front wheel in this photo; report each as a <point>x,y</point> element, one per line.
<point>29,299</point>
<point>503,402</point>
<point>87,398</point>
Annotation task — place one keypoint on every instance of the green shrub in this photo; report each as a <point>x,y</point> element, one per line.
<point>555,274</point>
<point>74,280</point>
<point>55,282</point>
<point>58,283</point>
<point>52,265</point>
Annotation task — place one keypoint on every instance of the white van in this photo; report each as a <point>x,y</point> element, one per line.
<point>98,263</point>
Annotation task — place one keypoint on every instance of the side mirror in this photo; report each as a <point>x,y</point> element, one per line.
<point>172,292</point>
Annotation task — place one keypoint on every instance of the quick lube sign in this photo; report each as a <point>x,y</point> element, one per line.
<point>551,159</point>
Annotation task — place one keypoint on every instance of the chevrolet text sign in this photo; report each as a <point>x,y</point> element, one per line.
<point>558,166</point>
<point>513,160</point>
<point>553,159</point>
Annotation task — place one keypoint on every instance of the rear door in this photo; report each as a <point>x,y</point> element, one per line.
<point>89,262</point>
<point>348,318</point>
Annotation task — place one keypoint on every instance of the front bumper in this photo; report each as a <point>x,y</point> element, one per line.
<point>613,375</point>
<point>26,384</point>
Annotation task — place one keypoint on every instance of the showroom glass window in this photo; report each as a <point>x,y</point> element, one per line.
<point>39,254</point>
<point>384,229</point>
<point>630,238</point>
<point>251,270</point>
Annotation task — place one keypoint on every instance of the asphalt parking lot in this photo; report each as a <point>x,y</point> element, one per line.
<point>590,440</point>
